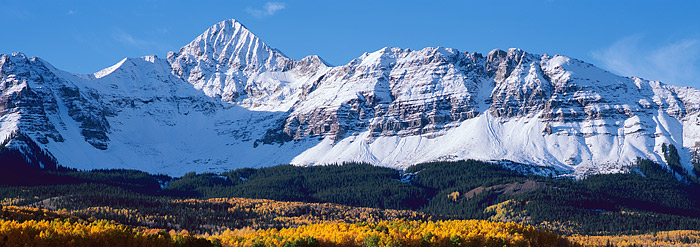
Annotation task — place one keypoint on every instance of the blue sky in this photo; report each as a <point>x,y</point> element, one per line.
<point>657,40</point>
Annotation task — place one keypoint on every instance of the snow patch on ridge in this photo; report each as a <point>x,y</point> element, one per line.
<point>109,70</point>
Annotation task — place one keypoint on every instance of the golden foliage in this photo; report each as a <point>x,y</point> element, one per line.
<point>504,211</point>
<point>40,227</point>
<point>398,233</point>
<point>67,233</point>
<point>453,196</point>
<point>328,225</point>
<point>667,238</point>
<point>25,213</point>
<point>76,232</point>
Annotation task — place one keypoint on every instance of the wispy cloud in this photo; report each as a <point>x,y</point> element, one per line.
<point>144,45</point>
<point>269,9</point>
<point>71,12</point>
<point>674,63</point>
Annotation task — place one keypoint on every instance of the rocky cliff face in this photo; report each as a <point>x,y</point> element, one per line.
<point>228,100</point>
<point>33,95</point>
<point>392,92</point>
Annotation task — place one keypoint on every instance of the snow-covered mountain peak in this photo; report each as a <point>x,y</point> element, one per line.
<point>16,54</point>
<point>232,44</point>
<point>222,61</point>
<point>315,60</point>
<point>513,54</point>
<point>12,58</point>
<point>379,57</point>
<point>388,56</point>
<point>439,50</point>
<point>21,58</point>
<point>18,61</point>
<point>496,53</point>
<point>129,65</point>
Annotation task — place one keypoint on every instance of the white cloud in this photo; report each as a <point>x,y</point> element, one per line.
<point>71,12</point>
<point>269,9</point>
<point>675,63</point>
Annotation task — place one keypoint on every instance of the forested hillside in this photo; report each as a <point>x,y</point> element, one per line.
<point>646,199</point>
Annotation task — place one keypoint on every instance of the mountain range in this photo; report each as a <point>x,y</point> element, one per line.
<point>227,100</point>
